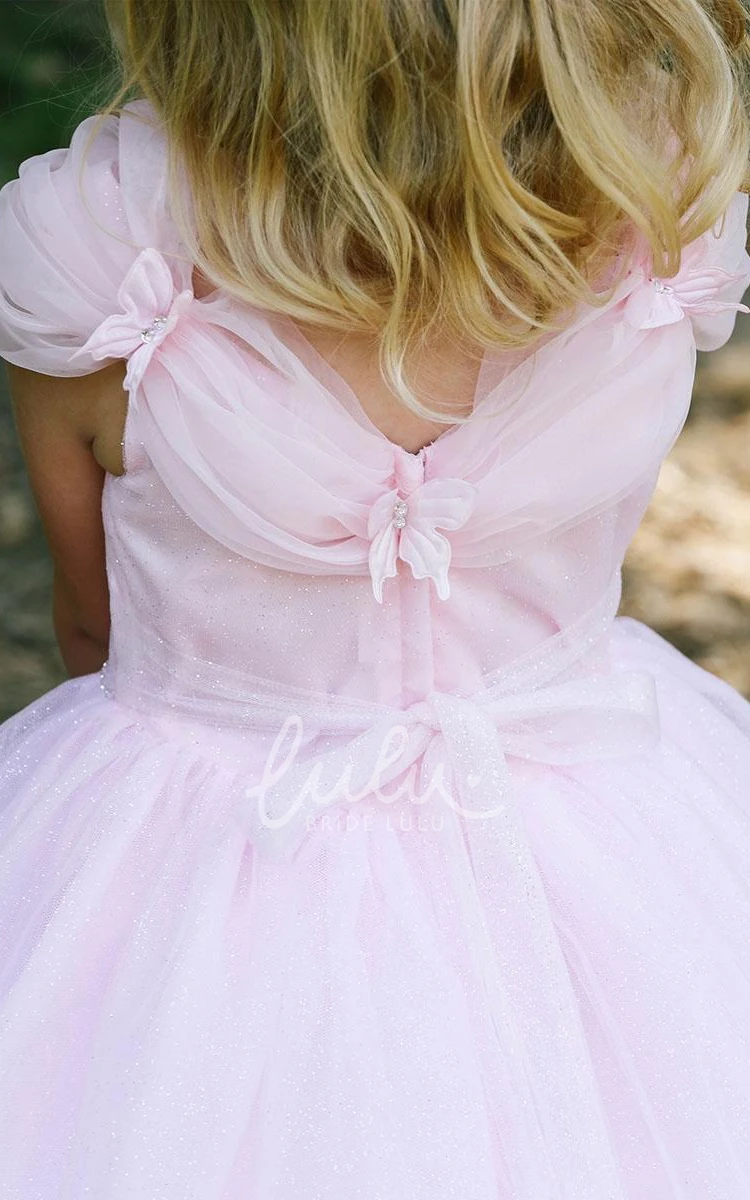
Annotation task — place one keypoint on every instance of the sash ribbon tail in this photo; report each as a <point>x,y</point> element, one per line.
<point>544,1094</point>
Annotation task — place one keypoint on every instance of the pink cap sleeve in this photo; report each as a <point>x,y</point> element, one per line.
<point>71,227</point>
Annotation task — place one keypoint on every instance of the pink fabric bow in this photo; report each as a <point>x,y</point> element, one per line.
<point>665,302</point>
<point>149,311</point>
<point>407,527</point>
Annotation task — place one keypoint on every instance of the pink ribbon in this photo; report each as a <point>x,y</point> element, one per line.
<point>467,737</point>
<point>489,862</point>
<point>666,301</point>
<point>150,308</point>
<point>407,527</point>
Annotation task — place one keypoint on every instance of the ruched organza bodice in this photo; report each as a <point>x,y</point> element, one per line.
<point>467,997</point>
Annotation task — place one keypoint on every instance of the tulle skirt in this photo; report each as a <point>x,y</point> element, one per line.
<point>182,1018</point>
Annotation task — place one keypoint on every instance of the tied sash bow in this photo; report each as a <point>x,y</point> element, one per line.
<point>544,1091</point>
<point>464,743</point>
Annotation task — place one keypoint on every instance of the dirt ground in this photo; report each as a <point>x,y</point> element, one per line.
<point>688,569</point>
<point>687,573</point>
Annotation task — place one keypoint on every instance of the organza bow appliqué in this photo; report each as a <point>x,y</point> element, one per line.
<point>150,307</point>
<point>407,527</point>
<point>694,291</point>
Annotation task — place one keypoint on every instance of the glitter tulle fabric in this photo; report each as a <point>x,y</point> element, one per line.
<point>532,985</point>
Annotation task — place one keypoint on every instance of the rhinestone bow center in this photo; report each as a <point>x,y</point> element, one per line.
<point>153,330</point>
<point>400,514</point>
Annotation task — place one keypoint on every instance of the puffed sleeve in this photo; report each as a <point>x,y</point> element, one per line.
<point>707,290</point>
<point>73,225</point>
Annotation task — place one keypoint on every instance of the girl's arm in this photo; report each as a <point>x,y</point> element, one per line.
<point>59,426</point>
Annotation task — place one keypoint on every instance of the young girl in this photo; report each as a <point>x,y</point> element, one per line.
<point>367,852</point>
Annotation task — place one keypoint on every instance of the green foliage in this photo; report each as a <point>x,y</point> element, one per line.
<point>56,67</point>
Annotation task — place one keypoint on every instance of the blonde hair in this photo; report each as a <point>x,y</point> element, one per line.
<point>395,166</point>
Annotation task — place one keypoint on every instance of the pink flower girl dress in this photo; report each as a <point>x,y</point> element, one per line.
<point>382,859</point>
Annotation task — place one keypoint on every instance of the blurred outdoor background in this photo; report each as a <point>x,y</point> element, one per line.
<point>688,571</point>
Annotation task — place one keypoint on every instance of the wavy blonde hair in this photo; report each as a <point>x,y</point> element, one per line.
<point>396,166</point>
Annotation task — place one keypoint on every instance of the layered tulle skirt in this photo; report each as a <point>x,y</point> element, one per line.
<point>183,1018</point>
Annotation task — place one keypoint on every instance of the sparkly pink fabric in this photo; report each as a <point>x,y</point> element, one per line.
<point>533,985</point>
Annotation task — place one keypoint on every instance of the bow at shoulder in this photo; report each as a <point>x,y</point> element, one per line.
<point>707,289</point>
<point>149,308</point>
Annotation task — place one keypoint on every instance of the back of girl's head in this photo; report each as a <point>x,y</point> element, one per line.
<point>394,166</point>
